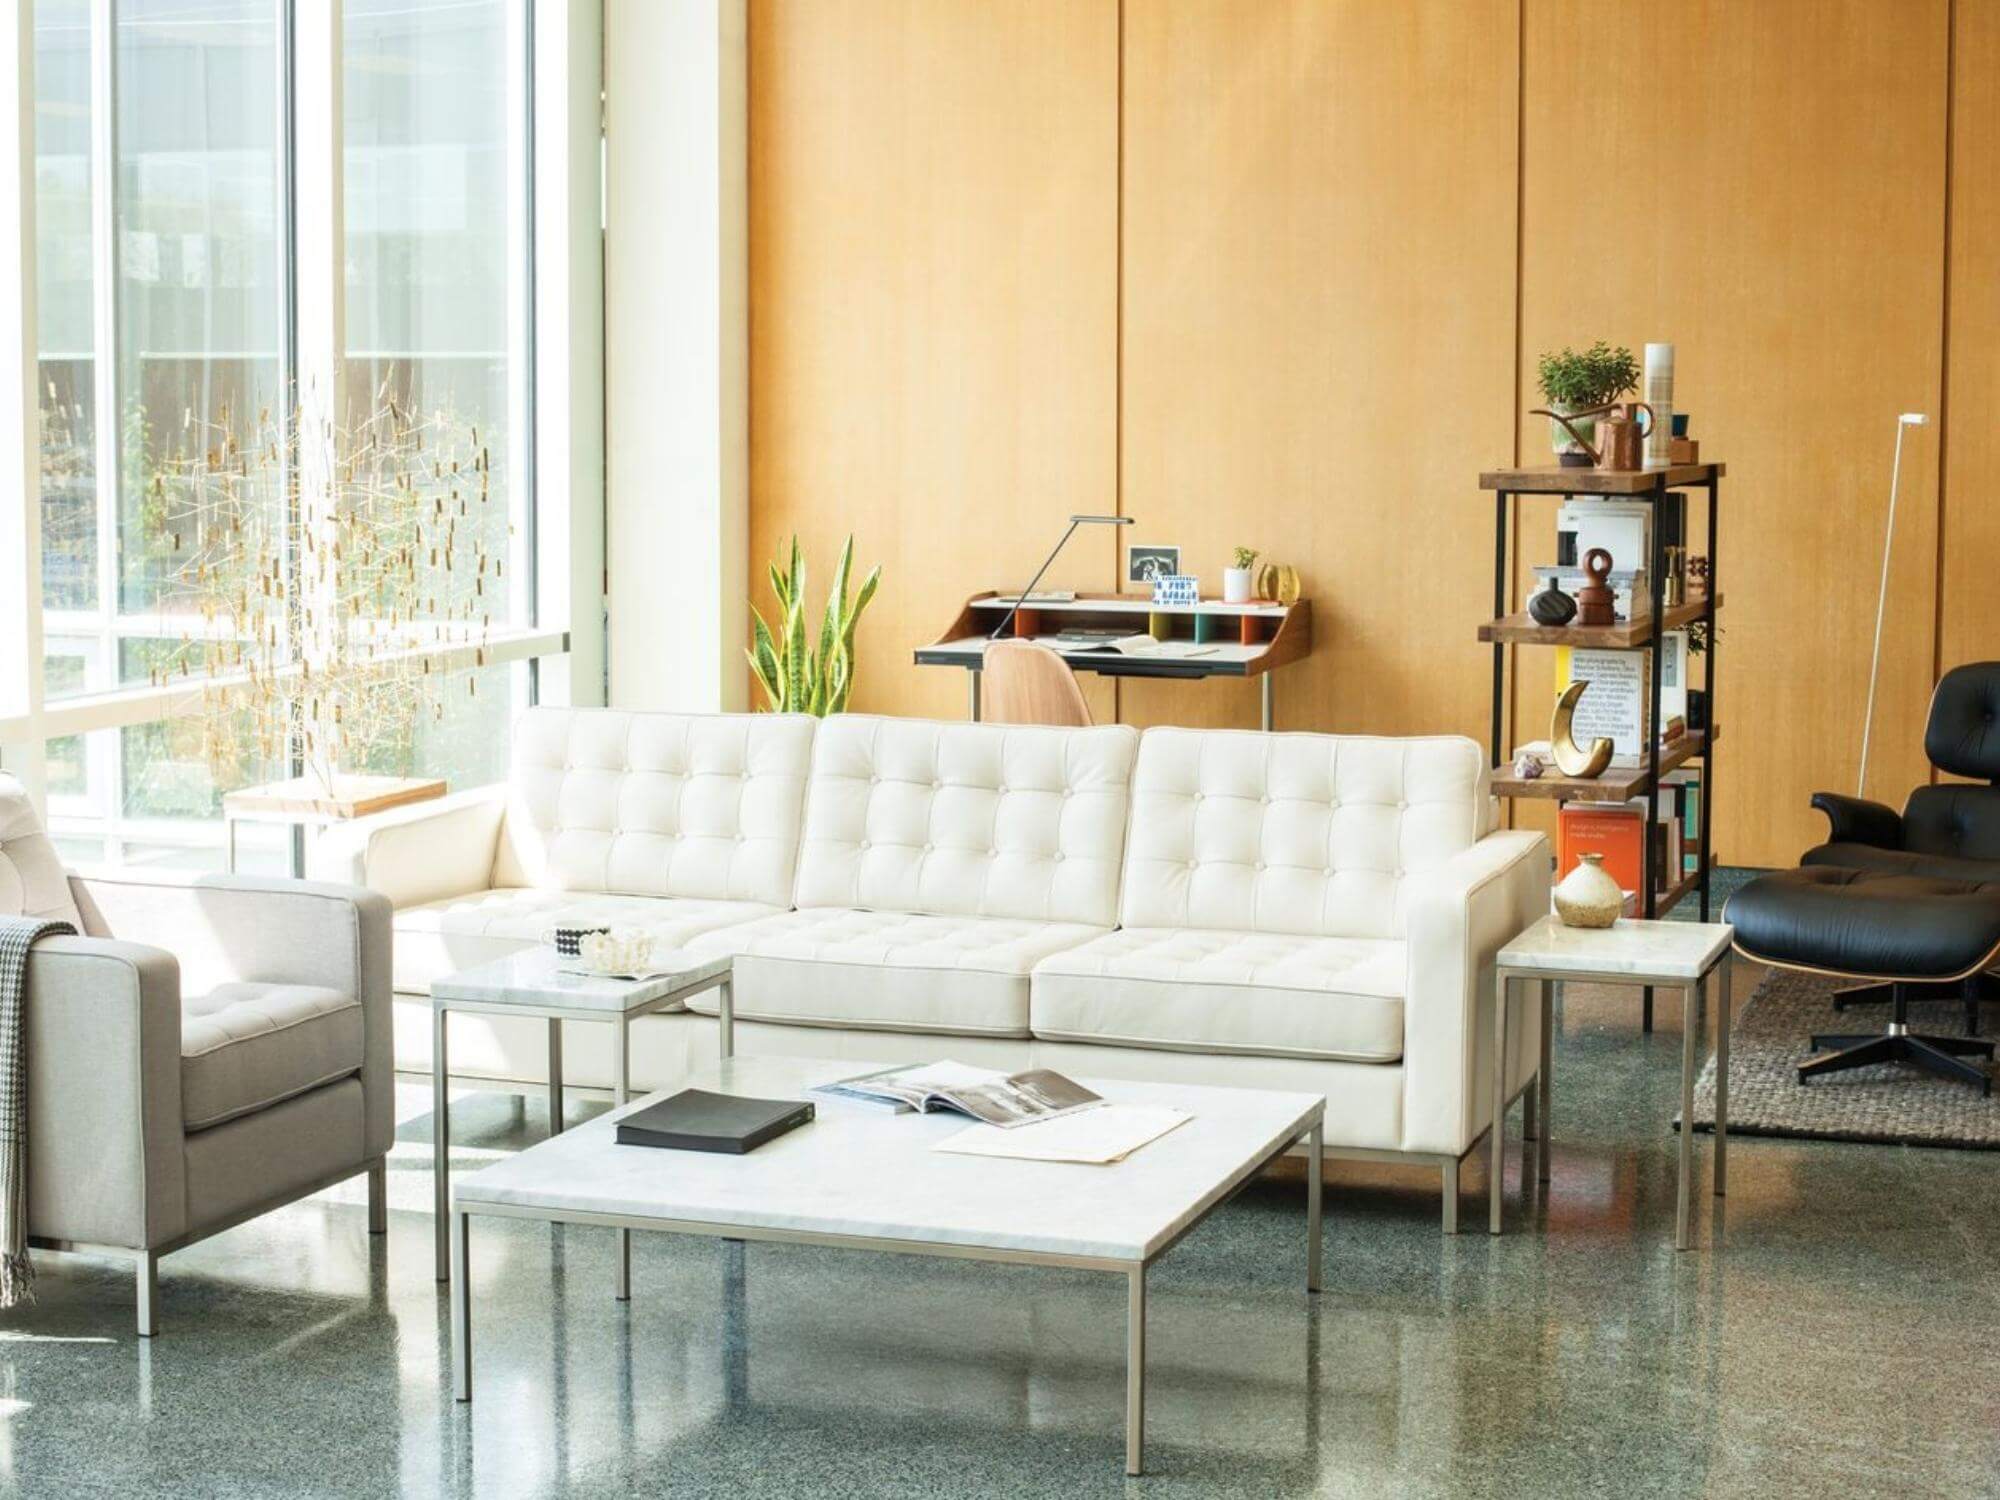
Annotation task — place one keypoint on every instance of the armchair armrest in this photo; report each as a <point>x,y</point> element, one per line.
<point>102,1023</point>
<point>245,927</point>
<point>428,851</point>
<point>1854,820</point>
<point>1461,916</point>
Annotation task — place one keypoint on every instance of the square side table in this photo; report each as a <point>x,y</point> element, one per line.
<point>534,983</point>
<point>1662,955</point>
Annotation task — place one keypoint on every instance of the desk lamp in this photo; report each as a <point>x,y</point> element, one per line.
<point>1074,522</point>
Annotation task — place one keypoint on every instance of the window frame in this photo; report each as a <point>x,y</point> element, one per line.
<point>551,53</point>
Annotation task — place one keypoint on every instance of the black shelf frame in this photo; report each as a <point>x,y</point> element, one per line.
<point>1663,498</point>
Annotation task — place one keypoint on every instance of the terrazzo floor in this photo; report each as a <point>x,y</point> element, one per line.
<point>1832,1335</point>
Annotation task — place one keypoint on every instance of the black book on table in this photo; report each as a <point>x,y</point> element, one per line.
<point>696,1120</point>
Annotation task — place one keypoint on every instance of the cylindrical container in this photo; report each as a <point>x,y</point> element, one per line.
<point>1204,627</point>
<point>568,941</point>
<point>1235,585</point>
<point>1159,625</point>
<point>1660,396</point>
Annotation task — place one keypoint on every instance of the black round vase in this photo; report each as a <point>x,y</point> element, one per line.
<point>1552,606</point>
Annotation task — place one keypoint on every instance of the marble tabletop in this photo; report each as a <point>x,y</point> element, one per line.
<point>859,1173</point>
<point>1665,951</point>
<point>535,979</point>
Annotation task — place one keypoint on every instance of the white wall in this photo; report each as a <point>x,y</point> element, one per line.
<point>677,352</point>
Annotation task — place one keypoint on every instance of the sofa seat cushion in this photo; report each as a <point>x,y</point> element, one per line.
<point>888,971</point>
<point>1265,994</point>
<point>245,1046</point>
<point>442,937</point>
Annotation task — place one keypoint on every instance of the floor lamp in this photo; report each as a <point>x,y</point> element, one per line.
<point>1904,423</point>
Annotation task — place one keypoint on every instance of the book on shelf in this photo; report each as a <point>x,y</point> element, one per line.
<point>1617,831</point>
<point>1615,705</point>
<point>1005,1100</point>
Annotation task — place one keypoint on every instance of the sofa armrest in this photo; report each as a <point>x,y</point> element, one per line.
<point>1854,820</point>
<point>1461,916</point>
<point>247,927</point>
<point>428,851</point>
<point>106,1162</point>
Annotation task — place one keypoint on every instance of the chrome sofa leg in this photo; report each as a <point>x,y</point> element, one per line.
<point>378,1198</point>
<point>147,1266</point>
<point>1451,1197</point>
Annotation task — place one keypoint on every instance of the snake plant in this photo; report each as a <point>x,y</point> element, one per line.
<point>799,678</point>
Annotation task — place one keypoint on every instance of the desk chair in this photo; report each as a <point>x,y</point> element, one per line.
<point>1030,684</point>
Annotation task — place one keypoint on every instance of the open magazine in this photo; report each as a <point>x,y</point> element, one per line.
<point>991,1097</point>
<point>1145,645</point>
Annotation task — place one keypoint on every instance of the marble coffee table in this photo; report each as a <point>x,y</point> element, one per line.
<point>1661,955</point>
<point>535,983</point>
<point>861,1180</point>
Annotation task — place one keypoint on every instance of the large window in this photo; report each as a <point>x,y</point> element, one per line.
<point>172,158</point>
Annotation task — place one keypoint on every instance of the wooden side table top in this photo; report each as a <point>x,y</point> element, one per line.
<point>303,799</point>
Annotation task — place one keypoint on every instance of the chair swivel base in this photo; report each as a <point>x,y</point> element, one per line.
<point>1943,1055</point>
<point>1970,990</point>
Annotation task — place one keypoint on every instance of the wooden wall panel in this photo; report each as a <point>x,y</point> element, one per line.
<point>1779,217</point>
<point>933,231</point>
<point>1318,332</point>
<point>1969,548</point>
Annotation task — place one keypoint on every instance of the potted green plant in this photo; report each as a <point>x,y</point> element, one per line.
<point>801,674</point>
<point>1574,382</point>
<point>1236,580</point>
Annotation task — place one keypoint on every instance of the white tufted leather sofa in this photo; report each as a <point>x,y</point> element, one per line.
<point>1291,911</point>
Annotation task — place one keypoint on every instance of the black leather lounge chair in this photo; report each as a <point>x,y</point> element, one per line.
<point>1905,902</point>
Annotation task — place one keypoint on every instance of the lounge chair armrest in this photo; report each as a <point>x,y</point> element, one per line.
<point>1855,820</point>
<point>102,1024</point>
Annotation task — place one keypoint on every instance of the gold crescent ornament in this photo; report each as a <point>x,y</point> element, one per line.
<point>1572,759</point>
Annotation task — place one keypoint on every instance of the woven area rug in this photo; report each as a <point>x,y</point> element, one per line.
<point>1892,1103</point>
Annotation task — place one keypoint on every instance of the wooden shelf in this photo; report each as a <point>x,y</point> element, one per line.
<point>1553,479</point>
<point>1520,630</point>
<point>1617,784</point>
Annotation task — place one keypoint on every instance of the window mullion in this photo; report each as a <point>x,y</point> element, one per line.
<point>21,684</point>
<point>104,263</point>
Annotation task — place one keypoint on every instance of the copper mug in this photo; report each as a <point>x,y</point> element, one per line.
<point>1621,440</point>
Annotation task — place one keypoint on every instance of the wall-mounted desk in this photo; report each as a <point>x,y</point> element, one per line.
<point>1282,633</point>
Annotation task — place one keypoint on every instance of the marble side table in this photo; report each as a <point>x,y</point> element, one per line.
<point>534,983</point>
<point>1664,955</point>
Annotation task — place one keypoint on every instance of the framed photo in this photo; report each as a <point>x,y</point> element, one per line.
<point>1144,564</point>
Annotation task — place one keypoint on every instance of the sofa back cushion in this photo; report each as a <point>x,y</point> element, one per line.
<point>967,820</point>
<point>1316,834</point>
<point>705,806</point>
<point>33,882</point>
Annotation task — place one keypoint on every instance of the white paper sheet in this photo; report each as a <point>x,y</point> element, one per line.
<point>1108,1133</point>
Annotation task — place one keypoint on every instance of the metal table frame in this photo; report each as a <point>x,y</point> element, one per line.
<point>1506,976</point>
<point>1134,1271</point>
<point>556,1014</point>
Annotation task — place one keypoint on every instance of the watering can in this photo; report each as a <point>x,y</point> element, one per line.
<point>1621,440</point>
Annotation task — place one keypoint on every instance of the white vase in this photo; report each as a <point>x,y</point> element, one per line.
<point>1235,585</point>
<point>1588,896</point>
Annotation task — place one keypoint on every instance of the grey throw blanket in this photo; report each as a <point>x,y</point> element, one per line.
<point>17,936</point>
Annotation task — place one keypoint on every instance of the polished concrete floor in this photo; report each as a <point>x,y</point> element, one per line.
<point>1831,1336</point>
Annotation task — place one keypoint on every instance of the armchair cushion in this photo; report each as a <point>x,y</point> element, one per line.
<point>888,971</point>
<point>1268,994</point>
<point>1855,820</point>
<point>245,1046</point>
<point>1901,862</point>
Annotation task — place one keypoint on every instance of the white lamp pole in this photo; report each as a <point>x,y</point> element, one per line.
<point>1906,421</point>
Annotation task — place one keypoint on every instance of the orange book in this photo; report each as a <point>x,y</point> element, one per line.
<point>1614,831</point>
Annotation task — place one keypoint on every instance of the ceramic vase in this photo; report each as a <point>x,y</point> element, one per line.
<point>1235,585</point>
<point>1588,896</point>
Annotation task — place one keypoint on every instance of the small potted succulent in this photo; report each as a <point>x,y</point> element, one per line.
<point>1236,580</point>
<point>1575,382</point>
